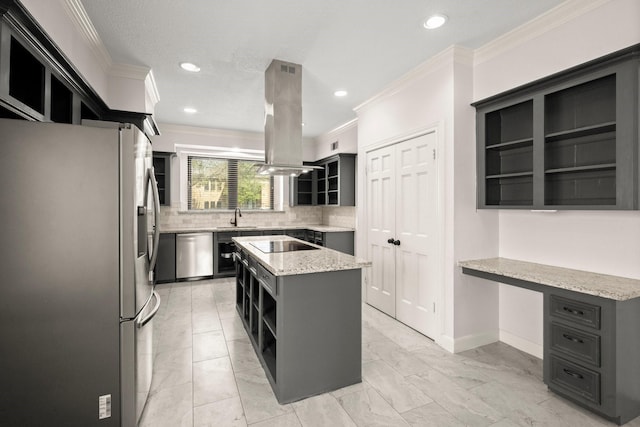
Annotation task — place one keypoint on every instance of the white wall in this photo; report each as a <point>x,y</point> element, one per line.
<point>346,136</point>
<point>185,140</point>
<point>600,241</point>
<point>437,95</point>
<point>475,231</point>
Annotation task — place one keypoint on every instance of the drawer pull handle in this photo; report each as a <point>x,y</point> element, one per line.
<point>573,374</point>
<point>574,339</point>
<point>573,311</point>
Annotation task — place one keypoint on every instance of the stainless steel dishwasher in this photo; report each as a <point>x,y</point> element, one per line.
<point>194,255</point>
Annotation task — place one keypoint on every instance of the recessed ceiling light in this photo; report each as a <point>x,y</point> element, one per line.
<point>340,93</point>
<point>190,110</point>
<point>434,21</point>
<point>188,66</point>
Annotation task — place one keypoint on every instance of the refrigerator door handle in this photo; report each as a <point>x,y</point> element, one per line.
<point>156,209</point>
<point>144,320</point>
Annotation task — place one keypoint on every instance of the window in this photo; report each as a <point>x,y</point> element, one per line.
<point>225,184</point>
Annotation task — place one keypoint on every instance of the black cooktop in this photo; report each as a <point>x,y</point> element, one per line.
<point>270,246</point>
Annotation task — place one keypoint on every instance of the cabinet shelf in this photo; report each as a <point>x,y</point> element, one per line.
<point>605,166</point>
<point>511,144</point>
<point>582,131</point>
<point>269,354</point>
<point>510,175</point>
<point>270,322</point>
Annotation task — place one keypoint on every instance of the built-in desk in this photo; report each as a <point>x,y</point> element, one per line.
<point>591,332</point>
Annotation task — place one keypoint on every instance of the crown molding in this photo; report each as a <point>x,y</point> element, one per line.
<point>128,71</point>
<point>151,89</point>
<point>451,55</point>
<point>340,129</point>
<point>76,11</point>
<point>78,14</point>
<point>559,15</point>
<point>211,132</point>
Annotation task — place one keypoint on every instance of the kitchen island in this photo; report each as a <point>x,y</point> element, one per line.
<point>301,306</point>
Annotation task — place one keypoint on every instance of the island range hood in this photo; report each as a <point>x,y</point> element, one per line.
<point>283,120</point>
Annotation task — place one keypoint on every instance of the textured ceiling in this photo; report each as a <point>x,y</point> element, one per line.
<point>357,45</point>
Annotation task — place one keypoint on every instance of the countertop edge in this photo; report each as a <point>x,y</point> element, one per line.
<point>223,229</point>
<point>338,261</point>
<point>598,284</point>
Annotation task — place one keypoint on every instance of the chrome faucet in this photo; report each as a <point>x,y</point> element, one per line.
<point>236,214</point>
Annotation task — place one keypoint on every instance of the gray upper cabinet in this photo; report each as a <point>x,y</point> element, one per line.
<point>333,185</point>
<point>37,81</point>
<point>569,141</point>
<point>303,189</point>
<point>162,172</point>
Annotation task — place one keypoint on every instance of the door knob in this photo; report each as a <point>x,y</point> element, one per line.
<point>396,242</point>
<point>391,240</point>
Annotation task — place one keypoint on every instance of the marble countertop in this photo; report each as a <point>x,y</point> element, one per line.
<point>316,227</point>
<point>601,285</point>
<point>299,262</point>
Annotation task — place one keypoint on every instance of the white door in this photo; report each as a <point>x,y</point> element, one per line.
<point>416,233</point>
<point>403,219</point>
<point>381,196</point>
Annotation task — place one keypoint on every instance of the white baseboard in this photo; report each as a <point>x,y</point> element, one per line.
<point>446,342</point>
<point>521,344</point>
<point>467,342</point>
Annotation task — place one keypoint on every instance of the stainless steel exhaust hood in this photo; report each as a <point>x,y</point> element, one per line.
<point>283,120</point>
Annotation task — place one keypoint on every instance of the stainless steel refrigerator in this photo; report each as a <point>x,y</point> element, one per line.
<point>78,206</point>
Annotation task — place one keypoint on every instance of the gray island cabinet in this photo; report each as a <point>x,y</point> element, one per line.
<point>303,314</point>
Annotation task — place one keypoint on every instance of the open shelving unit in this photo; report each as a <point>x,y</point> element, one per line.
<point>268,346</point>
<point>568,141</point>
<point>162,172</point>
<point>322,186</point>
<point>509,155</point>
<point>580,144</point>
<point>40,84</point>
<point>332,185</point>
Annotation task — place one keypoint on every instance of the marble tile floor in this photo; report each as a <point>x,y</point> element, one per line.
<point>207,374</point>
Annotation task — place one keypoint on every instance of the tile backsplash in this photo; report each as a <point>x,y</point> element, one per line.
<point>171,218</point>
<point>339,216</point>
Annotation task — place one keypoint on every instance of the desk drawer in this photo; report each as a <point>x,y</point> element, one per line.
<point>574,311</point>
<point>575,379</point>
<point>575,343</point>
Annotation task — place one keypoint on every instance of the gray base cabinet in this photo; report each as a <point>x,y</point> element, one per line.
<point>337,240</point>
<point>591,348</point>
<point>165,270</point>
<point>305,329</point>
